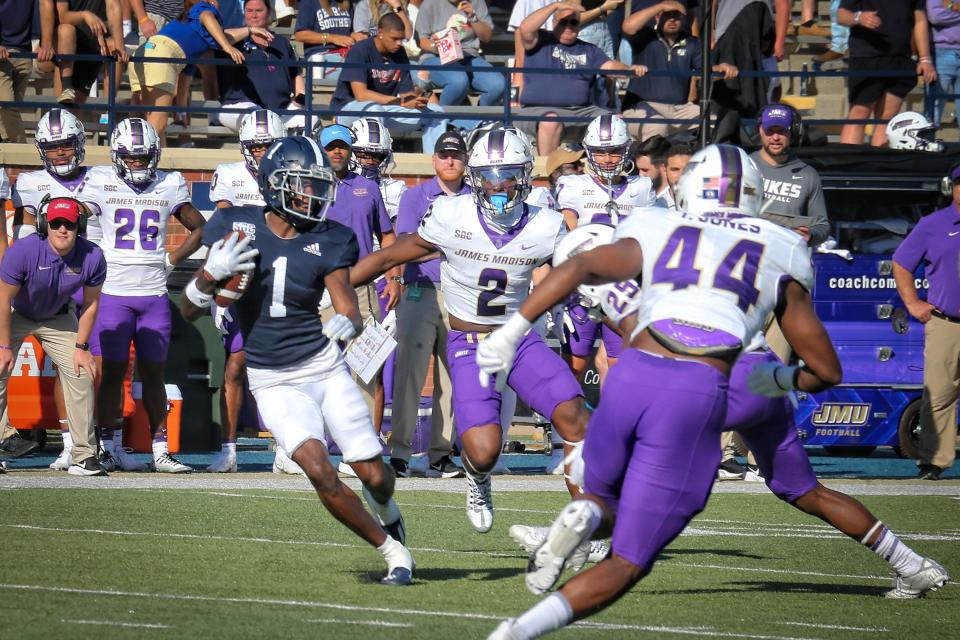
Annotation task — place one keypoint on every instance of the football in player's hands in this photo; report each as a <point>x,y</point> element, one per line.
<point>230,262</point>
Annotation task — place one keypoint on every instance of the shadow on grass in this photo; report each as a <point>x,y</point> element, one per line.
<point>440,574</point>
<point>727,553</point>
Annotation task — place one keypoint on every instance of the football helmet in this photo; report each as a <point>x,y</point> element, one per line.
<point>56,128</point>
<point>720,178</point>
<point>607,134</point>
<point>371,138</point>
<point>297,181</point>
<point>258,128</point>
<point>578,240</point>
<point>912,131</point>
<point>135,138</point>
<point>498,171</point>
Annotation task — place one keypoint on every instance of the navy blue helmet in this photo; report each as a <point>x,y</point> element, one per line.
<point>297,181</point>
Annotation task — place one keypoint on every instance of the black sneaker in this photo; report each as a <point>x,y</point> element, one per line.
<point>730,469</point>
<point>16,447</point>
<point>929,472</point>
<point>444,468</point>
<point>89,467</point>
<point>400,467</point>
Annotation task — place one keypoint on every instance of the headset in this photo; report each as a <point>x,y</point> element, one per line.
<point>797,129</point>
<point>42,229</point>
<point>946,184</point>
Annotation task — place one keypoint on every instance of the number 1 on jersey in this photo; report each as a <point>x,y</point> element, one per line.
<point>277,308</point>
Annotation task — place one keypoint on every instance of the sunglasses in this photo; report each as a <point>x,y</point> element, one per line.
<point>60,222</point>
<point>569,22</point>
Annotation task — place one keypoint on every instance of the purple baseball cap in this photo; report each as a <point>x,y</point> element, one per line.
<point>955,174</point>
<point>776,116</point>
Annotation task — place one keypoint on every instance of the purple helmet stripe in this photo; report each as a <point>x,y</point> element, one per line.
<point>136,132</point>
<point>496,144</point>
<point>262,126</point>
<point>374,129</point>
<point>731,169</point>
<point>56,124</point>
<point>606,127</point>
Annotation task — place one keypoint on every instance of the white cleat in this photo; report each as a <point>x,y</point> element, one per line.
<point>504,631</point>
<point>126,462</point>
<point>567,544</point>
<point>62,463</point>
<point>226,462</point>
<point>530,538</point>
<point>479,503</point>
<point>555,466</point>
<point>282,463</point>
<point>166,463</point>
<point>930,577</point>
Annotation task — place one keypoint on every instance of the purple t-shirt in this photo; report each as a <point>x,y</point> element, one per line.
<point>47,280</point>
<point>359,206</point>
<point>540,90</point>
<point>414,204</point>
<point>935,243</point>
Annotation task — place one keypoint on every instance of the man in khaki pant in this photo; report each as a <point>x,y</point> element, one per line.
<point>39,275</point>
<point>935,243</point>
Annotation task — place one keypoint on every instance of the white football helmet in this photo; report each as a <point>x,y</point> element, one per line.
<point>607,134</point>
<point>135,138</point>
<point>259,128</point>
<point>720,178</point>
<point>499,171</point>
<point>912,131</point>
<point>371,138</point>
<point>578,240</point>
<point>57,128</point>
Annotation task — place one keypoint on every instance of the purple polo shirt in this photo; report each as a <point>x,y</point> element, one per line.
<point>46,280</point>
<point>359,206</point>
<point>935,243</point>
<point>414,204</point>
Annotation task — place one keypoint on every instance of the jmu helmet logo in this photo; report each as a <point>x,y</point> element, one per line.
<point>832,414</point>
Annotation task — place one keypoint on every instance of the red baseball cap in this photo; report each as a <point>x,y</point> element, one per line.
<point>66,208</point>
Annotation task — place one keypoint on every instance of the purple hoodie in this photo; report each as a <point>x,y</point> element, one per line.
<point>945,25</point>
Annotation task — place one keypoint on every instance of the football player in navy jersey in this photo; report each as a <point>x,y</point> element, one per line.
<point>303,389</point>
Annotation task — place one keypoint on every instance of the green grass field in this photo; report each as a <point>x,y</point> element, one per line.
<point>217,563</point>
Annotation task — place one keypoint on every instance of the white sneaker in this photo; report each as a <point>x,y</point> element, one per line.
<point>479,503</point>
<point>226,462</point>
<point>530,538</point>
<point>62,463</point>
<point>165,463</point>
<point>126,462</point>
<point>567,544</point>
<point>504,631</point>
<point>282,463</point>
<point>930,577</point>
<point>599,550</point>
<point>753,474</point>
<point>555,466</point>
<point>346,469</point>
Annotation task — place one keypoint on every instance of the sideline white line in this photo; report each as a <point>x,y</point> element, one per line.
<point>110,623</point>
<point>792,572</point>
<point>840,627</point>
<point>373,623</point>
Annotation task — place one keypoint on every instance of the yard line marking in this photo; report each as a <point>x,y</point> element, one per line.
<point>840,627</point>
<point>374,623</point>
<point>345,607</point>
<point>111,623</point>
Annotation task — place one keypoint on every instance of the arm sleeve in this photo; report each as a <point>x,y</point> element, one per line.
<point>13,268</point>
<point>98,274</point>
<point>431,228</point>
<point>362,18</point>
<point>483,15</point>
<point>406,82</point>
<point>383,220</point>
<point>348,75</point>
<point>424,24</point>
<point>850,5</point>
<point>596,58</point>
<point>182,193</point>
<point>21,195</point>
<point>218,187</point>
<point>350,253</point>
<point>215,228</point>
<point>561,234</point>
<point>4,185</point>
<point>801,264</point>
<point>912,251</point>
<point>408,216</point>
<point>817,209</point>
<point>200,7</point>
<point>565,196</point>
<point>306,16</point>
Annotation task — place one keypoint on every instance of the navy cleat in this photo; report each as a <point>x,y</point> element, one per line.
<point>397,530</point>
<point>398,577</point>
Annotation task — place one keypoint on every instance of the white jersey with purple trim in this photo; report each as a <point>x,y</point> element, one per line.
<point>33,186</point>
<point>541,197</point>
<point>588,198</point>
<point>232,182</point>
<point>4,185</point>
<point>485,275</point>
<point>391,190</point>
<point>134,226</point>
<point>709,273</point>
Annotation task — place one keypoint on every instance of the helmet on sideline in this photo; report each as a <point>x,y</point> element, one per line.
<point>912,131</point>
<point>296,181</point>
<point>720,178</point>
<point>259,128</point>
<point>56,128</point>
<point>499,163</point>
<point>371,138</point>
<point>608,134</point>
<point>135,138</point>
<point>580,239</point>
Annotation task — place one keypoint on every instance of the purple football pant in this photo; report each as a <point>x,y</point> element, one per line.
<point>232,339</point>
<point>580,343</point>
<point>653,447</point>
<point>539,376</point>
<point>143,319</point>
<point>767,428</point>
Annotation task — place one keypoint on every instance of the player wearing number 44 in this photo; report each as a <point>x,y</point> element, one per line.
<point>133,201</point>
<point>294,365</point>
<point>491,242</point>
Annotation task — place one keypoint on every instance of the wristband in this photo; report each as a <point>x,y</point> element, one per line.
<point>143,19</point>
<point>925,59</point>
<point>792,374</point>
<point>197,297</point>
<point>856,18</point>
<point>5,347</point>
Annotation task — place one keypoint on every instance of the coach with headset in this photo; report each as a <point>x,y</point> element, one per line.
<point>38,276</point>
<point>935,243</point>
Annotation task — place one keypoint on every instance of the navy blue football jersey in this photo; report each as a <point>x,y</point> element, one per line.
<point>278,312</point>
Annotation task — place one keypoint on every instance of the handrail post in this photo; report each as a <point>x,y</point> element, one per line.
<point>308,100</point>
<point>111,95</point>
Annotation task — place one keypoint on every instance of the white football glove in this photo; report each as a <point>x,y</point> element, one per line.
<point>574,460</point>
<point>325,302</point>
<point>496,352</point>
<point>772,379</point>
<point>167,265</point>
<point>221,318</point>
<point>228,257</point>
<point>339,328</point>
<point>389,323</point>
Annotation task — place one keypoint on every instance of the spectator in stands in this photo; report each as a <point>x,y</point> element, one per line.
<point>649,158</point>
<point>90,27</point>
<point>15,31</point>
<point>793,195</point>
<point>880,34</point>
<point>839,36</point>
<point>471,21</point>
<point>387,94</point>
<point>668,46</point>
<point>37,302</point>
<point>944,19</point>
<point>565,160</point>
<point>252,86</point>
<point>200,31</point>
<point>560,95</point>
<point>930,244</point>
<point>675,162</point>
<point>325,29</point>
<point>367,13</point>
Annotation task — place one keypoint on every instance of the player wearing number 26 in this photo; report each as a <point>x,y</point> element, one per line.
<point>296,371</point>
<point>133,201</point>
<point>491,241</point>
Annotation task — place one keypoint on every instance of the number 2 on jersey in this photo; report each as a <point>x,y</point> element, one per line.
<point>737,272</point>
<point>494,284</point>
<point>149,229</point>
